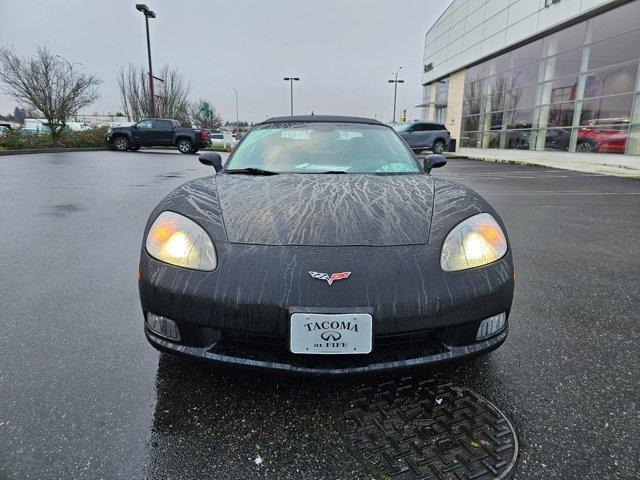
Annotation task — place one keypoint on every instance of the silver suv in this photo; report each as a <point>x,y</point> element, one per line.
<point>424,135</point>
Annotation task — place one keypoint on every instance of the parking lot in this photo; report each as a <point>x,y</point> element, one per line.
<point>82,394</point>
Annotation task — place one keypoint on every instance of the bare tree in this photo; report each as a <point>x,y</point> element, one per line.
<point>172,99</point>
<point>48,84</point>
<point>204,115</point>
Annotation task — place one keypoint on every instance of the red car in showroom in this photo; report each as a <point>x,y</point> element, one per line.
<point>607,135</point>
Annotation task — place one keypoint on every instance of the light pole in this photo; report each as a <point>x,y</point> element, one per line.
<point>237,121</point>
<point>395,82</point>
<point>291,80</point>
<point>141,7</point>
<point>70,64</point>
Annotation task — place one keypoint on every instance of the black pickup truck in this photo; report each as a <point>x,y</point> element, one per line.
<point>155,132</point>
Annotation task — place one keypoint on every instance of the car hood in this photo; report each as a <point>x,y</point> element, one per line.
<point>326,210</point>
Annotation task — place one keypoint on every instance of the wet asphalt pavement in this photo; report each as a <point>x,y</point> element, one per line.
<point>83,396</point>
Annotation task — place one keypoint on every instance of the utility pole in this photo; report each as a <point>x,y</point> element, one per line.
<point>291,80</point>
<point>149,14</point>
<point>237,121</point>
<point>395,82</point>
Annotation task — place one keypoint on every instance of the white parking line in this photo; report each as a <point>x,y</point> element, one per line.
<point>556,192</point>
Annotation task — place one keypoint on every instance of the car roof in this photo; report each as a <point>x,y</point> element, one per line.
<point>427,122</point>
<point>322,118</point>
<point>167,119</point>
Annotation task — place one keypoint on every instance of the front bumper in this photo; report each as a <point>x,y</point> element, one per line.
<point>420,354</point>
<point>240,313</point>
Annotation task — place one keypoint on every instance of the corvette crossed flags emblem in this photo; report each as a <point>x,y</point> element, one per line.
<point>330,278</point>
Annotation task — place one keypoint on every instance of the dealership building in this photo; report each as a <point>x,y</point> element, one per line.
<point>538,75</point>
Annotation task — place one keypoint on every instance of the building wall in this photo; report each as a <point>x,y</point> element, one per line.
<point>454,103</point>
<point>576,89</point>
<point>469,30</point>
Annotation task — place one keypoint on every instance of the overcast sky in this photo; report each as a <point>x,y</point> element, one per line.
<point>344,51</point>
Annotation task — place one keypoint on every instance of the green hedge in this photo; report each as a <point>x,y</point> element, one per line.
<point>216,148</point>
<point>16,140</point>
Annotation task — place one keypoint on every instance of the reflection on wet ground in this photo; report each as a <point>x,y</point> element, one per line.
<point>238,424</point>
<point>216,422</point>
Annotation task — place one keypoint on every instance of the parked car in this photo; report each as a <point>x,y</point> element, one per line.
<point>157,132</point>
<point>365,261</point>
<point>424,135</point>
<point>223,139</point>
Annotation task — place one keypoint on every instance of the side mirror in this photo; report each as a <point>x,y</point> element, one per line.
<point>434,161</point>
<point>212,159</point>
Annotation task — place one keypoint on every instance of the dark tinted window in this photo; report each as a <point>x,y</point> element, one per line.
<point>562,90</point>
<point>607,108</point>
<point>567,63</point>
<point>499,64</point>
<point>470,123</point>
<point>567,39</point>
<point>615,50</point>
<point>560,115</point>
<point>525,75</point>
<point>521,97</point>
<point>611,81</point>
<point>617,21</point>
<point>526,54</point>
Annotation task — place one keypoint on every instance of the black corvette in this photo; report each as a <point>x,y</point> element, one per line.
<point>324,246</point>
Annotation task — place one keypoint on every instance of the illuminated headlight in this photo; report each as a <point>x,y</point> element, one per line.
<point>175,239</point>
<point>477,241</point>
<point>490,326</point>
<point>163,327</point>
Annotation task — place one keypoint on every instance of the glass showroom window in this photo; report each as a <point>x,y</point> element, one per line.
<point>426,101</point>
<point>577,89</point>
<point>442,94</point>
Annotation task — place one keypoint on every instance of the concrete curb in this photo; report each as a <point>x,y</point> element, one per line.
<point>50,150</point>
<point>594,168</point>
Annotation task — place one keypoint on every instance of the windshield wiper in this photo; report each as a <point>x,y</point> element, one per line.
<point>251,171</point>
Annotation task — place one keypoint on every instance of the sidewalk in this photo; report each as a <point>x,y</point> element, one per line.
<point>602,164</point>
<point>28,151</point>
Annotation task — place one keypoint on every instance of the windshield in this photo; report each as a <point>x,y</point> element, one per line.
<point>401,127</point>
<point>319,147</point>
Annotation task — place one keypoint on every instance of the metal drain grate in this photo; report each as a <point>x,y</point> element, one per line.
<point>412,429</point>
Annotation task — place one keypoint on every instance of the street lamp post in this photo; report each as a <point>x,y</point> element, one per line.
<point>291,80</point>
<point>395,82</point>
<point>237,120</point>
<point>70,64</point>
<point>148,14</point>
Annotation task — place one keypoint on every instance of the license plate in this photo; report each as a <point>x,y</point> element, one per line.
<point>328,334</point>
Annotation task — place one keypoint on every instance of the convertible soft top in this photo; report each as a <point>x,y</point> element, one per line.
<point>322,118</point>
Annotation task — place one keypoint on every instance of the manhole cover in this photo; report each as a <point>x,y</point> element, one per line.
<point>411,429</point>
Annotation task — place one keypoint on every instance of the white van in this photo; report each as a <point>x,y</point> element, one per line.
<point>223,139</point>
<point>35,125</point>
